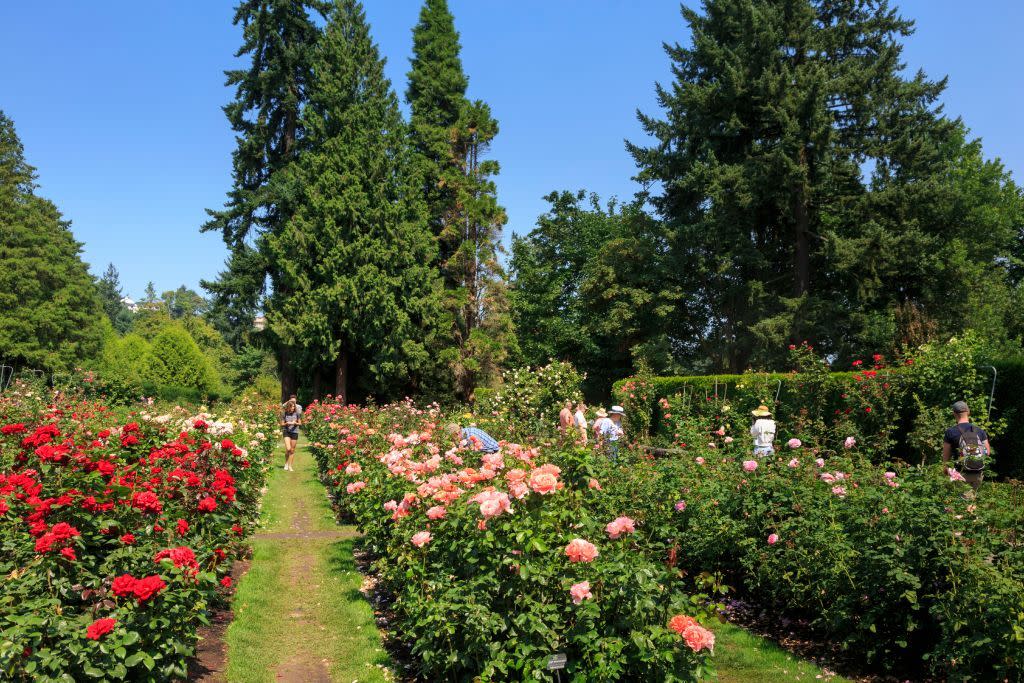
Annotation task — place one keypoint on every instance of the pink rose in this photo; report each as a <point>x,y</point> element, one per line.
<point>749,465</point>
<point>698,638</point>
<point>580,592</point>
<point>594,484</point>
<point>728,439</point>
<point>680,505</point>
<point>579,550</point>
<point>619,526</point>
<point>773,539</point>
<point>828,478</point>
<point>391,505</point>
<point>839,491</point>
<point>492,503</point>
<point>954,475</point>
<point>437,512</point>
<point>353,468</point>
<point>699,460</point>
<point>794,443</point>
<point>355,486</point>
<point>820,462</point>
<point>849,443</point>
<point>421,538</point>
<point>890,475</point>
<point>544,479</point>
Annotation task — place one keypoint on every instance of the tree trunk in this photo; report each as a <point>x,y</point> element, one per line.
<point>341,377</point>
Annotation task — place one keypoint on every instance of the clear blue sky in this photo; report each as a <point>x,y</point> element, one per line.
<point>118,103</point>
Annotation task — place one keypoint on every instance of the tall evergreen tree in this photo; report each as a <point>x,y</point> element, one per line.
<point>452,136</point>
<point>278,38</point>
<point>109,287</point>
<point>51,310</point>
<point>776,109</point>
<point>359,294</point>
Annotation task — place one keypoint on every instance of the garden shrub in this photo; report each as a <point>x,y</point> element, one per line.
<point>174,360</point>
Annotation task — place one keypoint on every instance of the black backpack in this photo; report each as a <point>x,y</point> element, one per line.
<point>972,453</point>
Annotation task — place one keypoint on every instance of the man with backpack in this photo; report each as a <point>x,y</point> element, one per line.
<point>970,444</point>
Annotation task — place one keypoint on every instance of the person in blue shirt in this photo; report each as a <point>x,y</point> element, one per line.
<point>476,438</point>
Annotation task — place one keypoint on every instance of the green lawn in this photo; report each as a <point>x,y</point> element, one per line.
<point>742,657</point>
<point>298,611</point>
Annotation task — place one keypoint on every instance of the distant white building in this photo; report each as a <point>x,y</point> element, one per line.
<point>259,323</point>
<point>130,304</point>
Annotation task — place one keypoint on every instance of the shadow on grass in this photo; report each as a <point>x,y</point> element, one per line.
<point>342,569</point>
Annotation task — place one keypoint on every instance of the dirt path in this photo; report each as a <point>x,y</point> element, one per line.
<point>298,615</point>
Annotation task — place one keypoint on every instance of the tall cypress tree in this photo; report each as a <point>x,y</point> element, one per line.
<point>360,295</point>
<point>452,135</point>
<point>776,109</point>
<point>266,114</point>
<point>50,304</point>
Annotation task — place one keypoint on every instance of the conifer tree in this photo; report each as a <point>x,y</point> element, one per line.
<point>109,287</point>
<point>776,109</point>
<point>49,306</point>
<point>452,135</point>
<point>278,38</point>
<point>360,295</point>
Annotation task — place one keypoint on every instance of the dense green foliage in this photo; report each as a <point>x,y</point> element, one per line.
<point>49,308</point>
<point>358,293</point>
<point>279,37</point>
<point>451,136</point>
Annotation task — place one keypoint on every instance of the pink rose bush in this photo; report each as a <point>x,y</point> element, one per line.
<point>521,533</point>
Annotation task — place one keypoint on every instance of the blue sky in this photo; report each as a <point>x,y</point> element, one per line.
<point>118,103</point>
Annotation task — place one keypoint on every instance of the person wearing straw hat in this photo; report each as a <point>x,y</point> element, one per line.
<point>599,423</point>
<point>612,431</point>
<point>763,431</point>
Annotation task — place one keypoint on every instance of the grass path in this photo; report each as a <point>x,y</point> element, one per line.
<point>298,612</point>
<point>743,657</point>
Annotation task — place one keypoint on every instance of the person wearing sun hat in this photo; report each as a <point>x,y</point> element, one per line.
<point>763,431</point>
<point>599,423</point>
<point>611,431</point>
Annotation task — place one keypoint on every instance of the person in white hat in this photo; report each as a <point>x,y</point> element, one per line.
<point>602,419</point>
<point>763,431</point>
<point>612,431</point>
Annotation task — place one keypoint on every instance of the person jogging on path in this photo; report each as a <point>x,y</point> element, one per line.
<point>291,419</point>
<point>970,444</point>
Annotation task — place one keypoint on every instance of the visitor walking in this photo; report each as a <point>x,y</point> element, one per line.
<point>474,437</point>
<point>612,432</point>
<point>566,418</point>
<point>599,423</point>
<point>969,442</point>
<point>581,421</point>
<point>763,431</point>
<point>291,419</point>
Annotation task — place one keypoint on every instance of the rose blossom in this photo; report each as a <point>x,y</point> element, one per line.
<point>437,512</point>
<point>749,465</point>
<point>849,443</point>
<point>954,475</point>
<point>619,526</point>
<point>580,592</point>
<point>356,486</point>
<point>579,550</point>
<point>773,539</point>
<point>839,491</point>
<point>699,460</point>
<point>794,443</point>
<point>100,628</point>
<point>421,538</point>
<point>544,479</point>
<point>820,462</point>
<point>680,505</point>
<point>794,463</point>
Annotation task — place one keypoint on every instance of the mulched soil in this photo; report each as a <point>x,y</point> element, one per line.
<point>210,663</point>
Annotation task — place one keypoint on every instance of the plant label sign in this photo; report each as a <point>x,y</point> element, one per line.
<point>556,662</point>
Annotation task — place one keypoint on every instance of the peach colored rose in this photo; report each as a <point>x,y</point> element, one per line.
<point>579,550</point>
<point>421,538</point>
<point>619,526</point>
<point>580,592</point>
<point>437,512</point>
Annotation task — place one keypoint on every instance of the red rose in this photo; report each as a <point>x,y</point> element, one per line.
<point>226,582</point>
<point>128,539</point>
<point>69,554</point>
<point>182,527</point>
<point>124,585</point>
<point>100,628</point>
<point>146,588</point>
<point>207,504</point>
<point>16,428</point>
<point>146,501</point>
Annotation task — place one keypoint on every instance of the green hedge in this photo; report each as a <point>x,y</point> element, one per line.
<point>794,392</point>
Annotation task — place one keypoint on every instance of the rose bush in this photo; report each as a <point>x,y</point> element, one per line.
<point>116,530</point>
<point>496,561</point>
